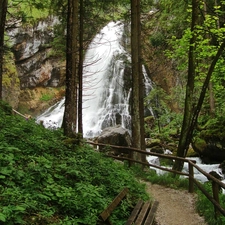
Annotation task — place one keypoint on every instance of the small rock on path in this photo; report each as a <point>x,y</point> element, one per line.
<point>176,207</point>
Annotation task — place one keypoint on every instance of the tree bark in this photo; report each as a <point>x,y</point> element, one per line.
<point>3,10</point>
<point>136,139</point>
<point>137,81</point>
<point>70,114</point>
<point>80,70</point>
<point>188,109</point>
<point>212,110</point>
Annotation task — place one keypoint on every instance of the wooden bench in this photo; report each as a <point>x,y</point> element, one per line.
<point>142,214</point>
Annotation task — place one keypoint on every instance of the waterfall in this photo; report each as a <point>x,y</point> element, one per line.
<point>106,84</point>
<point>105,101</point>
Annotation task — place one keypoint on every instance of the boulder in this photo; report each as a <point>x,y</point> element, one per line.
<point>222,167</point>
<point>150,142</point>
<point>211,152</point>
<point>115,136</point>
<point>157,149</point>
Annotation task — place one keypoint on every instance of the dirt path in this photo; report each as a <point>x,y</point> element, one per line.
<point>176,207</point>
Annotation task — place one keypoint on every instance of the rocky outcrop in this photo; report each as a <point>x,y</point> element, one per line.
<point>32,49</point>
<point>39,71</point>
<point>209,152</point>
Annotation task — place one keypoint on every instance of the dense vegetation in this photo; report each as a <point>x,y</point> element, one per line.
<point>46,178</point>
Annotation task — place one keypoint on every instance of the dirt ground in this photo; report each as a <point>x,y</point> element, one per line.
<point>176,207</point>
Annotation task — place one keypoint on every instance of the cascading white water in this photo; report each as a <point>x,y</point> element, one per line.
<point>105,100</point>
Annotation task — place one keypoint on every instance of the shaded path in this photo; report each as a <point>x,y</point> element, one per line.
<point>176,207</point>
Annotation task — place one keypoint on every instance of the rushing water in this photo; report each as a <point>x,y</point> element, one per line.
<point>197,175</point>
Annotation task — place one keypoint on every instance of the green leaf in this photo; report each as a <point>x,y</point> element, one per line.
<point>2,217</point>
<point>20,208</point>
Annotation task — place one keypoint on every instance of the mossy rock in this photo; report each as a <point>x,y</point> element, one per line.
<point>149,120</point>
<point>199,145</point>
<point>152,142</point>
<point>192,153</point>
<point>157,149</point>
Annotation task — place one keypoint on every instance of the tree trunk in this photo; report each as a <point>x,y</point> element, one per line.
<point>137,81</point>
<point>141,85</point>
<point>70,114</point>
<point>3,10</point>
<point>136,139</point>
<point>80,71</point>
<point>211,93</point>
<point>188,109</point>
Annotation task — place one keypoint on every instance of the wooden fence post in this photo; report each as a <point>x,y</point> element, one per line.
<point>130,156</point>
<point>191,177</point>
<point>215,189</point>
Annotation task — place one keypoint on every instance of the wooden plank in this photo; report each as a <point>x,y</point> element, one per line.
<point>151,215</point>
<point>143,213</point>
<point>134,213</point>
<point>106,213</point>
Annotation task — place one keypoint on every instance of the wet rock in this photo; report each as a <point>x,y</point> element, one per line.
<point>222,167</point>
<point>150,142</point>
<point>216,175</point>
<point>115,136</point>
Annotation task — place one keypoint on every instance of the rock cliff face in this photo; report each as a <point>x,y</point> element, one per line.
<point>36,68</point>
<point>32,47</point>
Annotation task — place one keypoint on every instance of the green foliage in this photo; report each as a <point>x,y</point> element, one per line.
<point>206,208</point>
<point>166,122</point>
<point>166,179</point>
<point>5,108</point>
<point>47,179</point>
<point>46,97</point>
<point>208,34</point>
<point>29,11</point>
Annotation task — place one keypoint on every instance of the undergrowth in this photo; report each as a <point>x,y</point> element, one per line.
<point>47,179</point>
<point>166,179</point>
<point>206,208</point>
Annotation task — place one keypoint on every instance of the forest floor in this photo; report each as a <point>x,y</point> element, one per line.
<point>176,206</point>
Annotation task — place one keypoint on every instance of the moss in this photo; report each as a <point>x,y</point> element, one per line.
<point>10,76</point>
<point>199,145</point>
<point>192,153</point>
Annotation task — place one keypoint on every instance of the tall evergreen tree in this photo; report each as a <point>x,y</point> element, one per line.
<point>137,81</point>
<point>70,114</point>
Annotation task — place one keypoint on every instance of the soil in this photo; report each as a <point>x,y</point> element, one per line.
<point>176,207</point>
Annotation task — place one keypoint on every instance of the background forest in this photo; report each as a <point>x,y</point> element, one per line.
<point>181,46</point>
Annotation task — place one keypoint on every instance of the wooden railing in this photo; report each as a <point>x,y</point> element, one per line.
<point>216,184</point>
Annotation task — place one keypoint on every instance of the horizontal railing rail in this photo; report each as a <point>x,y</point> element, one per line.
<point>216,184</point>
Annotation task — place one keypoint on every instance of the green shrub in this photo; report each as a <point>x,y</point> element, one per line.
<point>206,208</point>
<point>44,179</point>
